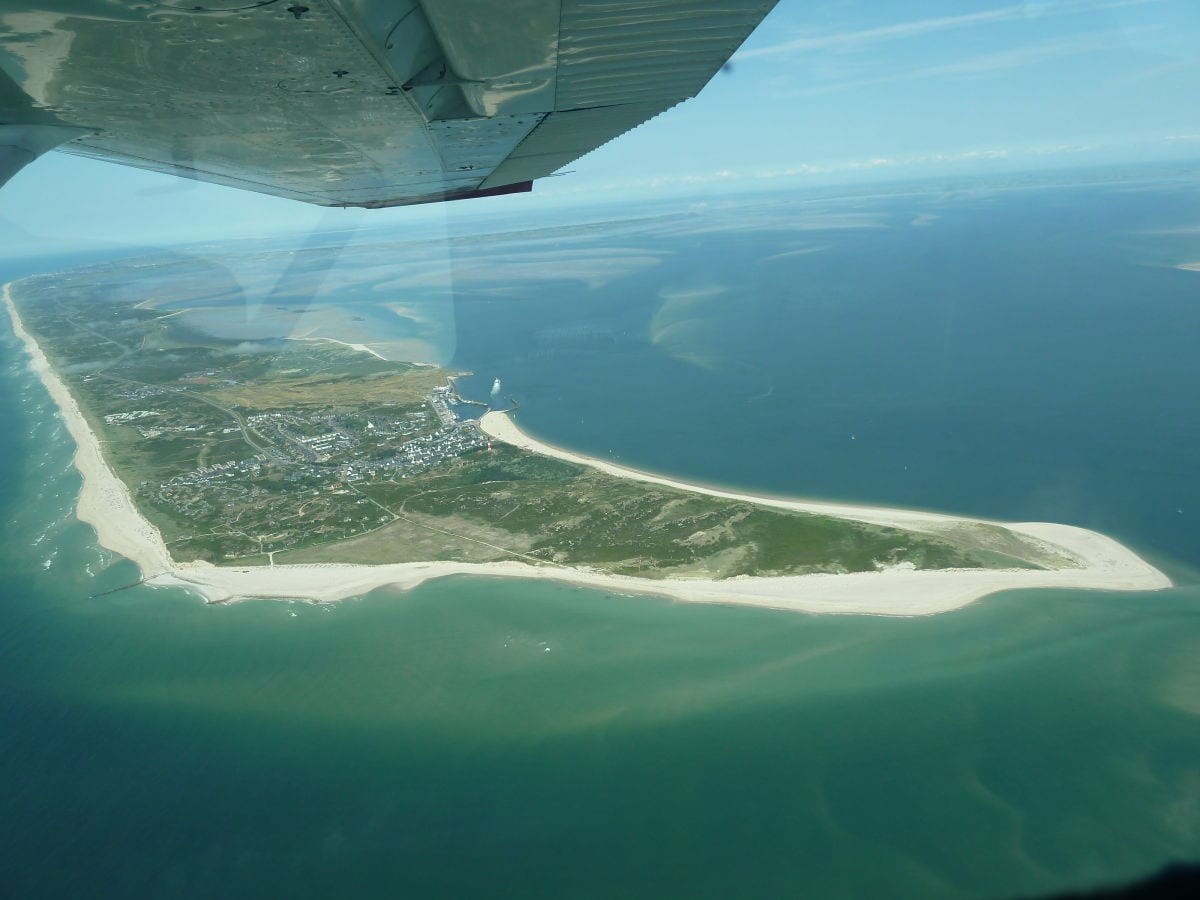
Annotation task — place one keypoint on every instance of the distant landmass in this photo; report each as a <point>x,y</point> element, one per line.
<point>316,469</point>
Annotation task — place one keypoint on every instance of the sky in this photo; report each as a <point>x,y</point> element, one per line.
<point>823,93</point>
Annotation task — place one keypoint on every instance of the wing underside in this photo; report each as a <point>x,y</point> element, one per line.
<point>352,102</point>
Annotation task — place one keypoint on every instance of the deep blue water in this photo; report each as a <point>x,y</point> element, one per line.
<point>1027,355</point>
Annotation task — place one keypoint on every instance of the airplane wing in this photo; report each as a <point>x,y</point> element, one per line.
<point>366,103</point>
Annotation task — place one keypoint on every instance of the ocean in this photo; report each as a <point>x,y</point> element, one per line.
<point>1021,353</point>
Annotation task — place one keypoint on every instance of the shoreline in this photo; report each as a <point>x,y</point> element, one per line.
<point>106,505</point>
<point>361,348</point>
<point>500,426</point>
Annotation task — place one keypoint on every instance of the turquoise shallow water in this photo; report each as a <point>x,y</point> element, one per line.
<point>480,738</point>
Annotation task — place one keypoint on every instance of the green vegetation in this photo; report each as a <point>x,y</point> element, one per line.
<point>546,510</point>
<point>241,452</point>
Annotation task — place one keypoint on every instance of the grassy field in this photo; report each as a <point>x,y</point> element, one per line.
<point>523,506</point>
<point>328,377</point>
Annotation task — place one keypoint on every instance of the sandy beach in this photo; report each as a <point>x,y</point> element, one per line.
<point>361,348</point>
<point>500,426</point>
<point>106,505</point>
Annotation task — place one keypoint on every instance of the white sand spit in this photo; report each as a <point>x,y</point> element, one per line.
<point>361,348</point>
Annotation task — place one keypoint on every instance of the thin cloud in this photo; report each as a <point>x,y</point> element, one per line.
<point>1173,67</point>
<point>1015,58</point>
<point>794,170</point>
<point>866,37</point>
<point>736,178</point>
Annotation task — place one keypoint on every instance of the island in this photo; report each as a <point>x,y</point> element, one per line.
<point>318,470</point>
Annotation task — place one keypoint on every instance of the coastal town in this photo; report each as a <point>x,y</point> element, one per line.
<point>322,456</point>
<point>349,447</point>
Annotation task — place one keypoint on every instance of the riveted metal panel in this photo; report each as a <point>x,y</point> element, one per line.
<point>563,137</point>
<point>622,62</point>
<point>480,144</point>
<point>286,104</point>
<point>614,52</point>
<point>508,50</point>
<point>582,130</point>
